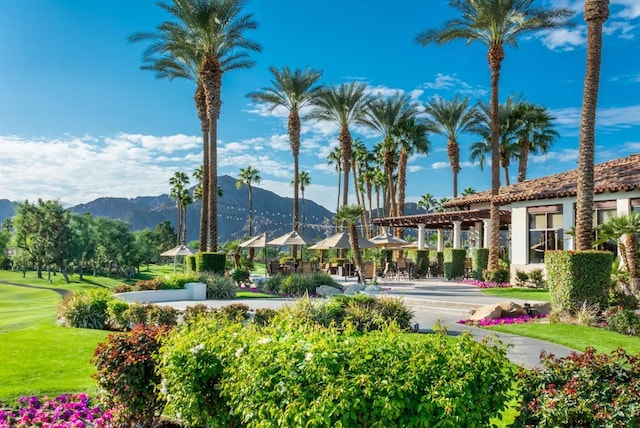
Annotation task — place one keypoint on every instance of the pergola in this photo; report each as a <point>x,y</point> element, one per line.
<point>476,221</point>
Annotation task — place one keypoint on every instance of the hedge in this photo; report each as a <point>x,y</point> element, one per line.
<point>421,262</point>
<point>479,262</point>
<point>438,258</point>
<point>576,277</point>
<point>454,259</point>
<point>190,264</point>
<point>210,262</point>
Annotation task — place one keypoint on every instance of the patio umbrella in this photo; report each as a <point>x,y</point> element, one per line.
<point>340,241</point>
<point>259,241</point>
<point>291,238</point>
<point>414,245</point>
<point>180,250</point>
<point>386,240</point>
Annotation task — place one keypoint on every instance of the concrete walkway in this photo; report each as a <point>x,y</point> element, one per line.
<point>433,301</point>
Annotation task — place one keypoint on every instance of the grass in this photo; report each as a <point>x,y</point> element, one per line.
<point>519,293</point>
<point>574,336</point>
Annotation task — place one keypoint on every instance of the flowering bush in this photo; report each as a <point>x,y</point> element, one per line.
<point>485,284</point>
<point>523,319</point>
<point>64,411</point>
<point>620,320</point>
<point>582,390</point>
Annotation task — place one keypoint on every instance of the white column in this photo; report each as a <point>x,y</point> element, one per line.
<point>440,240</point>
<point>457,234</point>
<point>421,237</point>
<point>485,228</point>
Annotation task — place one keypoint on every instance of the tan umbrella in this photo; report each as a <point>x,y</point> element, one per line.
<point>291,238</point>
<point>340,241</point>
<point>259,241</point>
<point>386,240</point>
<point>180,250</point>
<point>414,245</point>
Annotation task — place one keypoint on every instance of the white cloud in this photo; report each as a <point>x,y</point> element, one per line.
<point>612,118</point>
<point>440,165</point>
<point>630,9</point>
<point>623,28</point>
<point>566,155</point>
<point>564,38</point>
<point>633,145</point>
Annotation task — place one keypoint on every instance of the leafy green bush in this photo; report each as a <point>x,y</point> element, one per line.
<point>263,316</point>
<point>122,288</point>
<point>237,312</point>
<point>177,281</point>
<point>191,313</point>
<point>522,278</point>
<point>273,283</point>
<point>117,319</point>
<point>479,262</point>
<point>85,309</point>
<point>421,262</point>
<point>126,372</point>
<point>322,278</point>
<point>575,277</point>
<point>220,287</point>
<point>147,284</point>
<point>626,301</point>
<point>162,315</point>
<point>437,257</point>
<point>498,276</point>
<point>240,276</point>
<point>190,263</point>
<point>536,278</point>
<point>454,259</point>
<point>297,285</point>
<point>210,262</point>
<point>620,320</point>
<point>582,390</point>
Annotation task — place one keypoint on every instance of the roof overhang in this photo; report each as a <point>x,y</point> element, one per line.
<point>444,220</point>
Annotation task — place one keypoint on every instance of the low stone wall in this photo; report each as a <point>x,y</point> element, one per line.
<point>191,291</point>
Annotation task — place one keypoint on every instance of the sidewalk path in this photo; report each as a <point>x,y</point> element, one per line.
<point>433,301</point>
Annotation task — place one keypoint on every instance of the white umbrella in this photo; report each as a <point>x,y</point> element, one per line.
<point>259,241</point>
<point>341,241</point>
<point>180,250</point>
<point>386,240</point>
<point>291,238</point>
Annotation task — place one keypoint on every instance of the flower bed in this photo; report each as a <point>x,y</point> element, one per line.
<point>523,319</point>
<point>485,284</point>
<point>64,411</point>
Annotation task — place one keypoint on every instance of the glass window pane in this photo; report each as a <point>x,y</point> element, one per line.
<point>536,247</point>
<point>537,221</point>
<point>555,221</point>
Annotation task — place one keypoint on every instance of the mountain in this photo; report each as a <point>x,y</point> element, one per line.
<point>271,212</point>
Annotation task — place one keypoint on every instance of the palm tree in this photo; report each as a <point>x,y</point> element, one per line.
<point>468,191</point>
<point>293,91</point>
<point>450,119</point>
<point>596,12</point>
<point>344,106</point>
<point>439,207</point>
<point>350,215</point>
<point>535,134</point>
<point>387,116</point>
<point>249,177</point>
<point>178,191</point>
<point>212,31</point>
<point>427,201</point>
<point>496,24</point>
<point>412,139</point>
<point>334,157</point>
<point>304,180</point>
<point>625,230</point>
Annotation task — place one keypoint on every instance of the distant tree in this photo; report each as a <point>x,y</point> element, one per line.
<point>495,24</point>
<point>350,215</point>
<point>166,236</point>
<point>427,201</point>
<point>147,247</point>
<point>304,180</point>
<point>596,12</point>
<point>335,157</point>
<point>42,230</point>
<point>535,134</point>
<point>293,91</point>
<point>248,177</point>
<point>451,118</point>
<point>468,191</point>
<point>83,242</point>
<point>625,230</point>
<point>180,193</point>
<point>115,246</point>
<point>439,207</point>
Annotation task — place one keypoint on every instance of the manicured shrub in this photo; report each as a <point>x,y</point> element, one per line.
<point>126,371</point>
<point>273,283</point>
<point>177,281</point>
<point>191,313</point>
<point>582,390</point>
<point>437,257</point>
<point>162,315</point>
<point>147,284</point>
<point>241,276</point>
<point>190,263</point>
<point>297,285</point>
<point>122,288</point>
<point>454,259</point>
<point>136,314</point>
<point>210,262</point>
<point>322,278</point>
<point>498,276</point>
<point>324,378</point>
<point>621,320</point>
<point>575,277</point>
<point>263,316</point>
<point>220,287</point>
<point>536,278</point>
<point>237,312</point>
<point>64,411</point>
<point>117,314</point>
<point>479,262</point>
<point>85,309</point>
<point>421,262</point>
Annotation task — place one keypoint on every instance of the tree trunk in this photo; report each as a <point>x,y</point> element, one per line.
<point>496,55</point>
<point>453,151</point>
<point>631,251</point>
<point>201,106</point>
<point>596,13</point>
<point>402,183</point>
<point>505,168</point>
<point>523,159</point>
<point>251,249</point>
<point>345,153</point>
<point>294,140</point>
<point>357,257</point>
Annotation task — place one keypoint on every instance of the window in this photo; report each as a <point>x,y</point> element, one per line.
<point>545,231</point>
<point>602,213</point>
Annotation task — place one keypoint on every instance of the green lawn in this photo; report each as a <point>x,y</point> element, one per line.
<point>519,293</point>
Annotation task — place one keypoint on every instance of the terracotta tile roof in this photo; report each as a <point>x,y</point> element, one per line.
<point>442,220</point>
<point>619,175</point>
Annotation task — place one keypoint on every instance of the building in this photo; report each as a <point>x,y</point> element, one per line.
<point>537,214</point>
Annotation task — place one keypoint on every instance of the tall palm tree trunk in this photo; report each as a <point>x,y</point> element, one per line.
<point>402,184</point>
<point>201,106</point>
<point>212,82</point>
<point>339,186</point>
<point>345,153</point>
<point>523,160</point>
<point>596,13</point>
<point>294,138</point>
<point>495,55</point>
<point>453,151</point>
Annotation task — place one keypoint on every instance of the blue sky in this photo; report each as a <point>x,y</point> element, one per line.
<point>79,119</point>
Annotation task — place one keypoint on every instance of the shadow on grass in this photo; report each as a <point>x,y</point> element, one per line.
<point>60,291</point>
